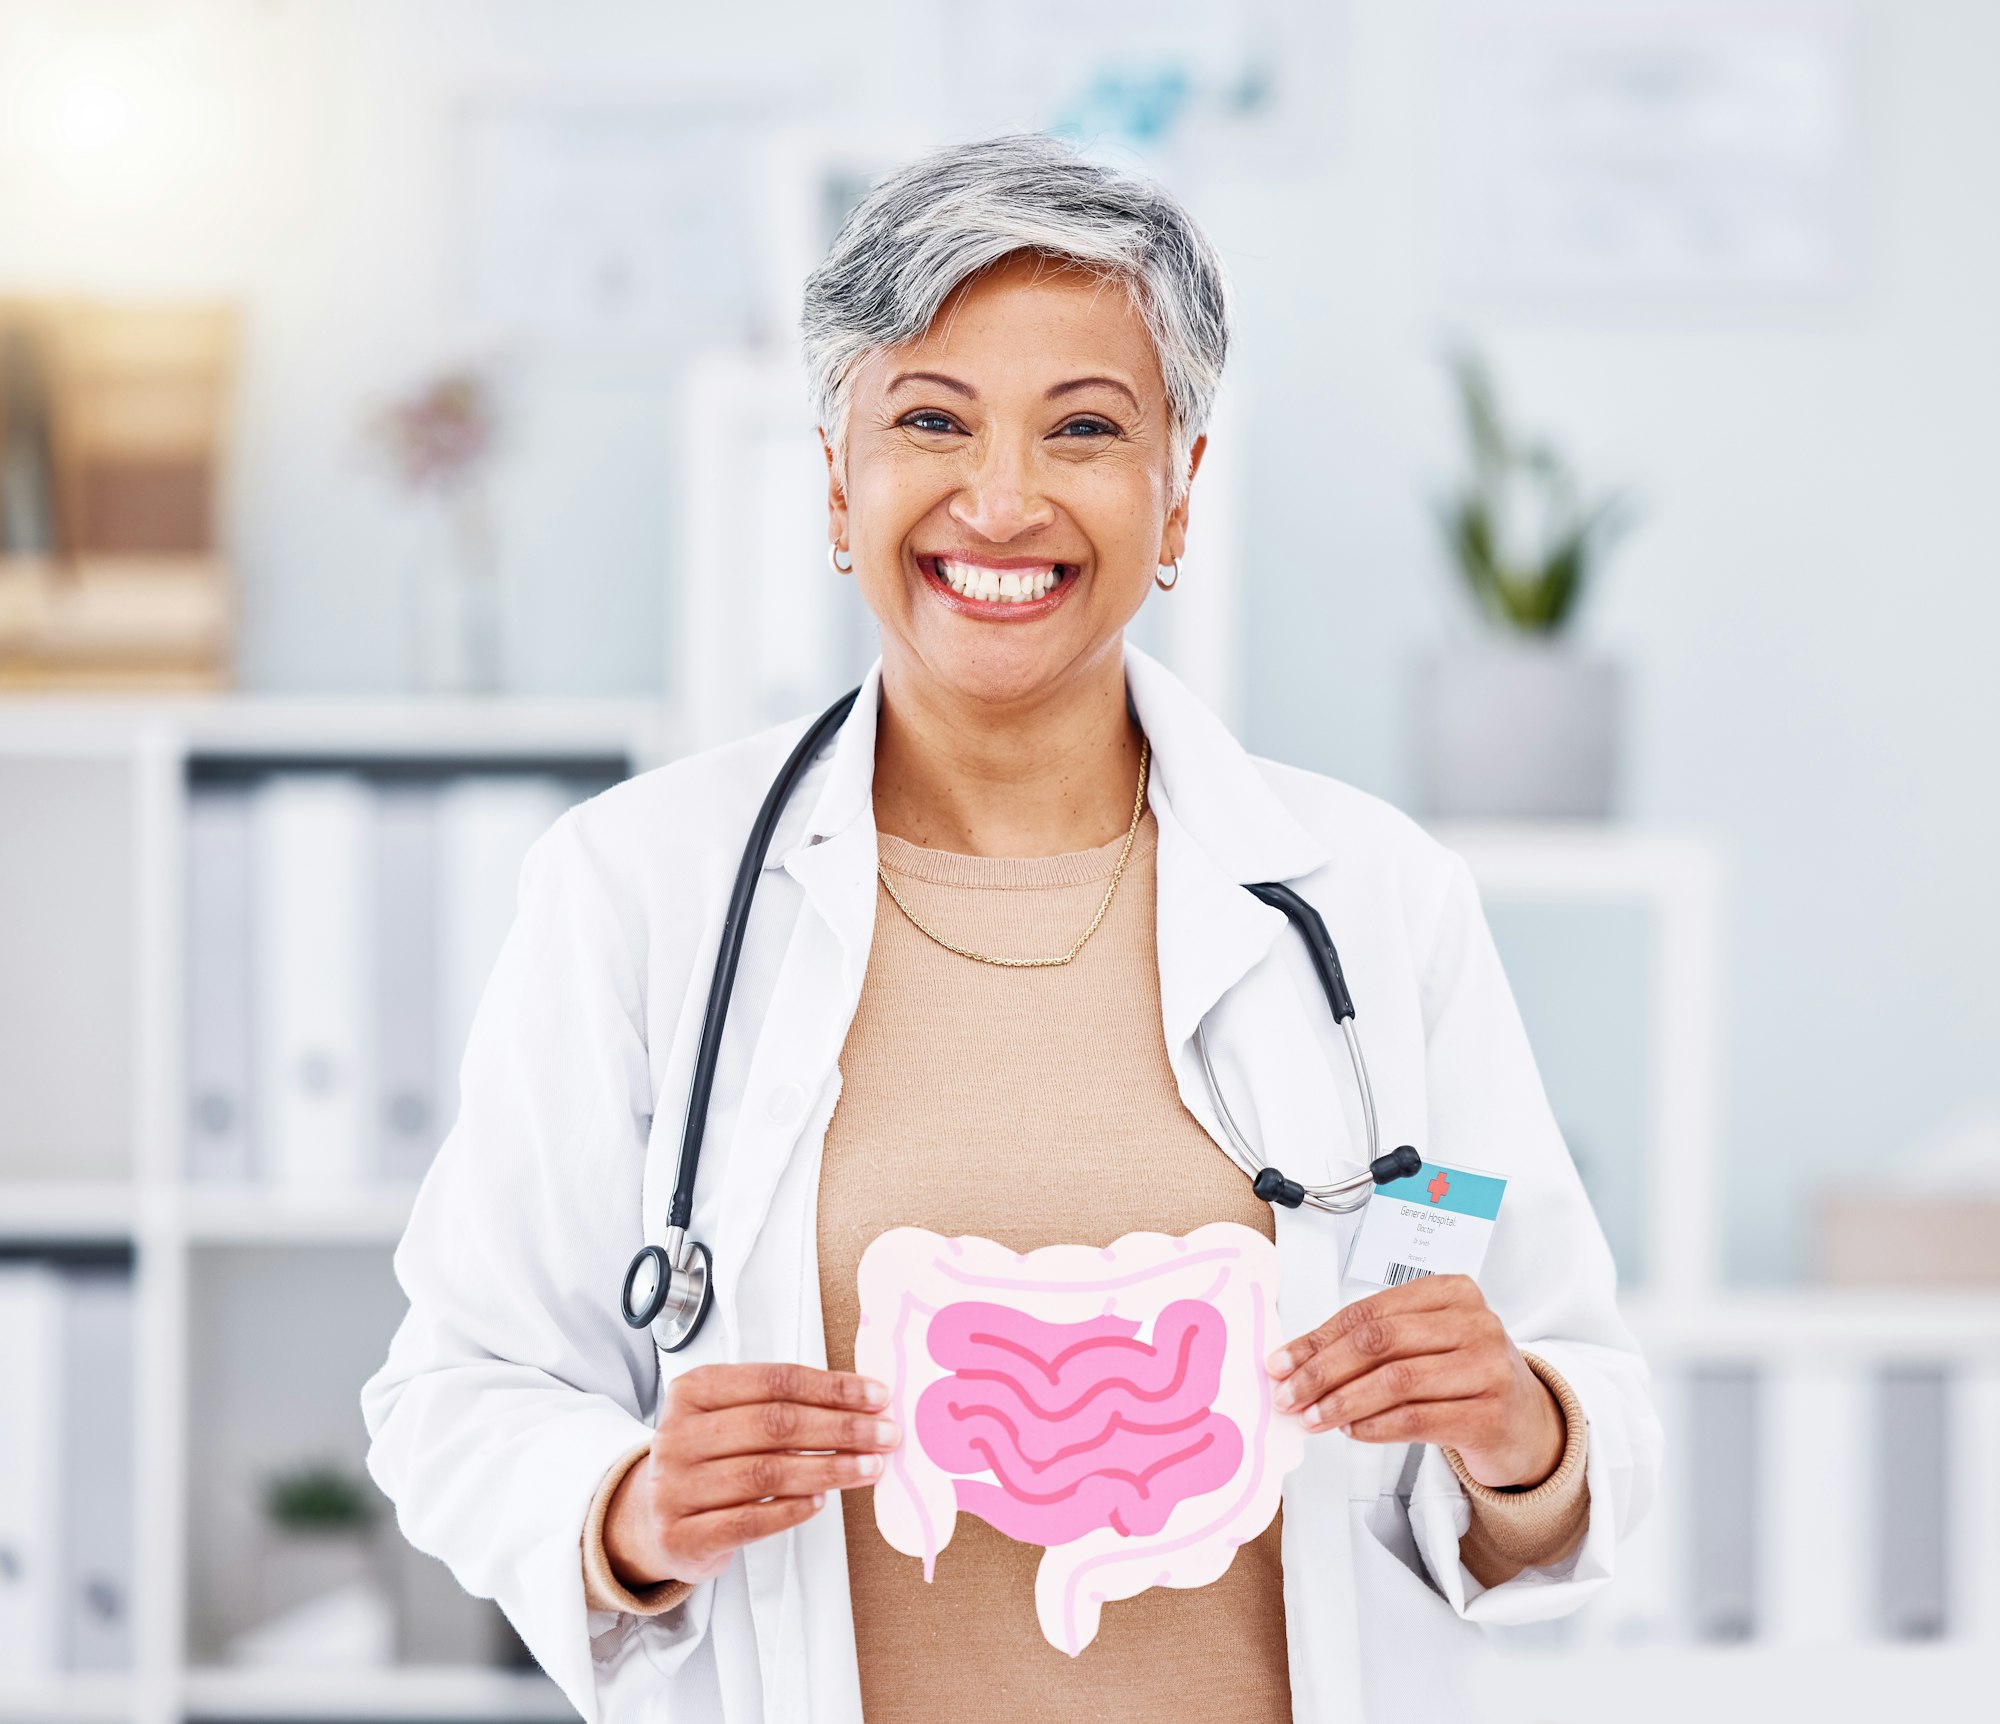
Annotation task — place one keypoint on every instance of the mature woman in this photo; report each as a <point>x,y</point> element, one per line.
<point>992,920</point>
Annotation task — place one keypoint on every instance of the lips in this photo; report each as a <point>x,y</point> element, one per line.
<point>1010,584</point>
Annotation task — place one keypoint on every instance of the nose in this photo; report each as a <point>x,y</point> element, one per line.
<point>1001,499</point>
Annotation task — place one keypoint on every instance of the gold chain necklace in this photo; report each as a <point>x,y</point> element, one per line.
<point>1117,874</point>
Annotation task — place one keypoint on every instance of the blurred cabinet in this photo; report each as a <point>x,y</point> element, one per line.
<point>257,1304</point>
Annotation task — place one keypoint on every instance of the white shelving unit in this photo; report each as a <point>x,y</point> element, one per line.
<point>1639,1657</point>
<point>1678,879</point>
<point>1812,1474</point>
<point>138,1198</point>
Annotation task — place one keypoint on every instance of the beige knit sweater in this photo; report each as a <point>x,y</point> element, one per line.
<point>1036,1107</point>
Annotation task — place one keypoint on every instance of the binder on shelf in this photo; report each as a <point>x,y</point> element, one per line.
<point>486,823</point>
<point>1813,1450</point>
<point>312,985</point>
<point>1912,1465</point>
<point>1723,1578</point>
<point>99,1499</point>
<point>408,1118</point>
<point>30,1459</point>
<point>220,875</point>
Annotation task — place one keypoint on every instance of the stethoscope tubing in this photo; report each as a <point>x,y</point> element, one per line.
<point>669,1287</point>
<point>1343,1196</point>
<point>735,923</point>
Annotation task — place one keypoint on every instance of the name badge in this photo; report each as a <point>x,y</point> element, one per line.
<point>1438,1221</point>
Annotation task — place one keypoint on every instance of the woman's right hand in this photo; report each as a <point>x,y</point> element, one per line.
<point>728,1465</point>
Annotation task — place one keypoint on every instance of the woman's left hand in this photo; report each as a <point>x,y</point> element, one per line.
<point>1426,1362</point>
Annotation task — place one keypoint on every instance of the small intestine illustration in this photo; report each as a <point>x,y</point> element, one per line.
<point>1109,1404</point>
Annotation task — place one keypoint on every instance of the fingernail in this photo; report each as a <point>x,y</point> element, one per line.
<point>1312,1415</point>
<point>885,1432</point>
<point>877,1393</point>
<point>1285,1396</point>
<point>868,1466</point>
<point>819,1499</point>
<point>1279,1362</point>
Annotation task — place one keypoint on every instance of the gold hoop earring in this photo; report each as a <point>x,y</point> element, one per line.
<point>834,562</point>
<point>1168,586</point>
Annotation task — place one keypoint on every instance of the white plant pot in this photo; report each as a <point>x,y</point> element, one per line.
<point>1517,728</point>
<point>324,1605</point>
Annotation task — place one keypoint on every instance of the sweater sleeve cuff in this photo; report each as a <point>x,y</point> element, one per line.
<point>1515,1529</point>
<point>603,1590</point>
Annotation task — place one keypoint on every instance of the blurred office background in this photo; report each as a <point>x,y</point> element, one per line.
<point>401,437</point>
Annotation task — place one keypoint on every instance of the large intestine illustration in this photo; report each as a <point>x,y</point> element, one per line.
<point>1108,1404</point>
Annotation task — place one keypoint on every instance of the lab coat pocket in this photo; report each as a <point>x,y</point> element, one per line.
<point>1434,1665</point>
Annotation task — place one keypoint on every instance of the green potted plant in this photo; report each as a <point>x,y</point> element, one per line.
<point>1519,722</point>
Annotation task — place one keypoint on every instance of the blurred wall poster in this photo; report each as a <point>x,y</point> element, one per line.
<point>1704,150</point>
<point>610,219</point>
<point>1147,74</point>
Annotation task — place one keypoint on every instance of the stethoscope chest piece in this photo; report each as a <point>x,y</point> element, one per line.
<point>671,1302</point>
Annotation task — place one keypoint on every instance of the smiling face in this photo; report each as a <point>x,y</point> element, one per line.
<point>1007,492</point>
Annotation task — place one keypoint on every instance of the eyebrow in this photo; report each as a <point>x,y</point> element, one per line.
<point>959,388</point>
<point>1077,383</point>
<point>937,377</point>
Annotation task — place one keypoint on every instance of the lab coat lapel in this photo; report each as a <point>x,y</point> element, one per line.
<point>826,845</point>
<point>831,950</point>
<point>1222,827</point>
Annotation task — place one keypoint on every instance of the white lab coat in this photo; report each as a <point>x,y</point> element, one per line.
<point>513,1383</point>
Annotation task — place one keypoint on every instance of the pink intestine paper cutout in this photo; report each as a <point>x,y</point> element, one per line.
<point>1109,1404</point>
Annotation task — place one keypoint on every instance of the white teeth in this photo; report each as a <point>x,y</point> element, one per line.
<point>1003,586</point>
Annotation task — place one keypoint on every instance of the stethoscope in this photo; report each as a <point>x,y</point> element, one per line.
<point>670,1286</point>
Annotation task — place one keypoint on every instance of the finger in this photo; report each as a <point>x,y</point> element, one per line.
<point>752,1478</point>
<point>705,1536</point>
<point>1431,1377</point>
<point>769,1425</point>
<point>1368,1345</point>
<point>708,1388</point>
<point>1426,1293</point>
<point>1452,1422</point>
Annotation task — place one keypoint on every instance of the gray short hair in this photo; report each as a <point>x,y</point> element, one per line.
<point>950,214</point>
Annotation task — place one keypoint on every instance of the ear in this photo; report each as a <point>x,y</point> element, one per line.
<point>836,495</point>
<point>1173,539</point>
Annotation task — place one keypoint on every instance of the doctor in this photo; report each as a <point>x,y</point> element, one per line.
<point>990,922</point>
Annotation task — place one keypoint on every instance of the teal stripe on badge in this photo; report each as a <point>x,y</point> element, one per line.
<point>1450,1188</point>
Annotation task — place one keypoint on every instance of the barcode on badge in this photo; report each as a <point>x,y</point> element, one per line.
<point>1401,1272</point>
